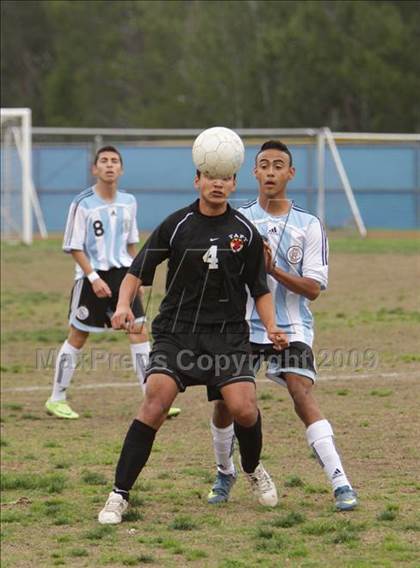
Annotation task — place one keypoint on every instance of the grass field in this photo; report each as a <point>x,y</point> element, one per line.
<point>56,474</point>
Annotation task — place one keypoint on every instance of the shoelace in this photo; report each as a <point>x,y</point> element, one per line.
<point>345,490</point>
<point>221,487</point>
<point>262,479</point>
<point>113,504</point>
<point>223,484</point>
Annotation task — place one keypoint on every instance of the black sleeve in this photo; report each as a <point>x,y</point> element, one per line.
<point>254,271</point>
<point>155,250</point>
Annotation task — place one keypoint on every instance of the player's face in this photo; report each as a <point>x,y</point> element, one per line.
<point>273,172</point>
<point>108,168</point>
<point>214,191</point>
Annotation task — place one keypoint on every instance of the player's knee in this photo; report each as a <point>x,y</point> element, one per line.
<point>77,338</point>
<point>245,413</point>
<point>302,397</point>
<point>155,406</point>
<point>299,387</point>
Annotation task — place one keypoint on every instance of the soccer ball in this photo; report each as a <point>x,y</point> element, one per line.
<point>218,152</point>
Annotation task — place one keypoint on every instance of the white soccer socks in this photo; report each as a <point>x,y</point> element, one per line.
<point>140,357</point>
<point>223,444</point>
<point>320,437</point>
<point>65,366</point>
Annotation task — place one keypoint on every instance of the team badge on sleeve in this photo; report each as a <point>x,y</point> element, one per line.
<point>294,254</point>
<point>237,242</point>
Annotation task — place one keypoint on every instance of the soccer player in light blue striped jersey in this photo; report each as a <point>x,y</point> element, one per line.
<point>296,253</point>
<point>102,236</point>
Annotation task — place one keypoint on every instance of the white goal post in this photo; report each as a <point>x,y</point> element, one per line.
<point>326,136</point>
<point>323,138</point>
<point>19,198</point>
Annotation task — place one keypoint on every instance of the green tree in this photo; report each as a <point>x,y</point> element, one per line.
<point>352,65</point>
<point>26,55</point>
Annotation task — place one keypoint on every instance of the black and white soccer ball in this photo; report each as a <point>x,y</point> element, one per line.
<point>218,152</point>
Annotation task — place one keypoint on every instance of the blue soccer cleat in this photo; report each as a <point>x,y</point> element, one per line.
<point>345,498</point>
<point>220,491</point>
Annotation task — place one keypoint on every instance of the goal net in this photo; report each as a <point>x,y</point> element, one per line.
<point>19,201</point>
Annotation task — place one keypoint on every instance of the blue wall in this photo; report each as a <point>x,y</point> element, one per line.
<point>385,180</point>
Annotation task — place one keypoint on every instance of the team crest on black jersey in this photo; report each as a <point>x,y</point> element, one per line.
<point>237,242</point>
<point>294,254</point>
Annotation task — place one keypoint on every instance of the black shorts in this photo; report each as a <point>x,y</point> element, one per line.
<point>206,356</point>
<point>298,359</point>
<point>89,313</point>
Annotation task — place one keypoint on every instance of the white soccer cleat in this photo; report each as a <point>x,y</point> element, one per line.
<point>263,486</point>
<point>113,510</point>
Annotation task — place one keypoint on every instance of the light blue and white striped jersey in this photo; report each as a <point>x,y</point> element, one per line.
<point>299,246</point>
<point>101,229</point>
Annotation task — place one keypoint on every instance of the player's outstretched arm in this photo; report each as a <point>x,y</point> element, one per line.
<point>265,309</point>
<point>123,316</point>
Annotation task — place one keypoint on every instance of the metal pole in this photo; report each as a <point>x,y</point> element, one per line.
<point>320,142</point>
<point>98,142</point>
<point>34,197</point>
<point>26,177</point>
<point>346,183</point>
<point>6,171</point>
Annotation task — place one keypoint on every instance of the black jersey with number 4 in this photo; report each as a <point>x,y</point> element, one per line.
<point>211,259</point>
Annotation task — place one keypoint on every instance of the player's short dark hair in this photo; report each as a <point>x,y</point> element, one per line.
<point>107,149</point>
<point>275,145</point>
<point>198,174</point>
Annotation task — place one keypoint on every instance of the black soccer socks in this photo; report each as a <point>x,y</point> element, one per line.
<point>134,454</point>
<point>250,444</point>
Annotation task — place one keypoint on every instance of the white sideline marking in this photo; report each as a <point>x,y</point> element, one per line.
<point>321,378</point>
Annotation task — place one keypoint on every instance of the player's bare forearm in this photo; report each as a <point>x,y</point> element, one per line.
<point>128,290</point>
<point>99,286</point>
<point>123,317</point>
<point>298,284</point>
<point>265,309</point>
<point>82,260</point>
<point>132,250</point>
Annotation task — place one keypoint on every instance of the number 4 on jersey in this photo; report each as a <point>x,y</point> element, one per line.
<point>210,256</point>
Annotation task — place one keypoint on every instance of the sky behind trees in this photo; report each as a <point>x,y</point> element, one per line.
<point>351,65</point>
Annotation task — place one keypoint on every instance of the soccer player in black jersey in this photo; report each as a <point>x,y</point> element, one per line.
<point>200,334</point>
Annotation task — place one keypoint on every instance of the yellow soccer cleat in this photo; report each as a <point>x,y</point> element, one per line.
<point>60,409</point>
<point>173,412</point>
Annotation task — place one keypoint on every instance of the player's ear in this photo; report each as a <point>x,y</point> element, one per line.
<point>292,171</point>
<point>94,170</point>
<point>197,182</point>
